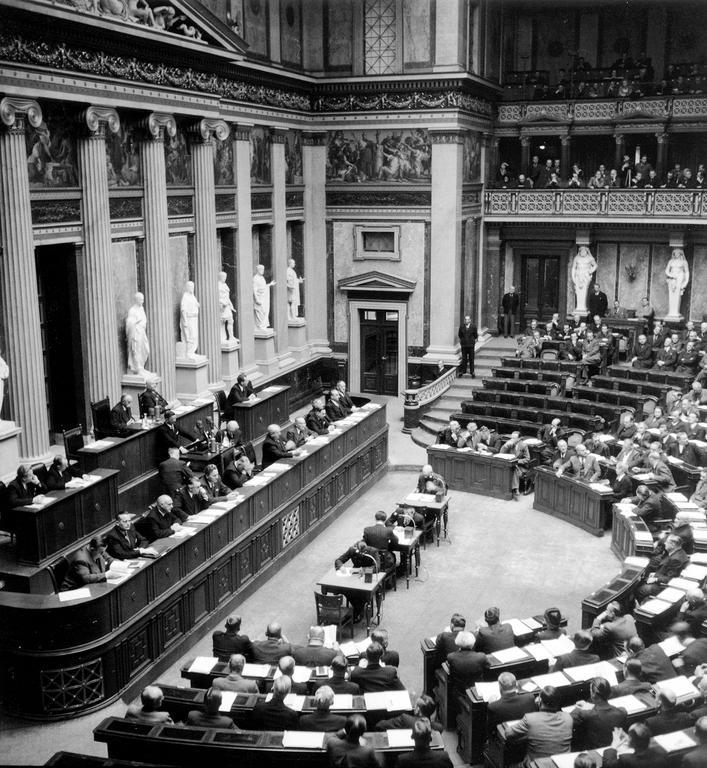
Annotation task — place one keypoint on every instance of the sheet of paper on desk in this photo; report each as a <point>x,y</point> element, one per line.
<point>77,482</point>
<point>200,517</point>
<point>293,701</point>
<point>199,401</point>
<point>555,679</point>
<point>567,759</point>
<point>227,699</point>
<point>537,651</point>
<point>256,670</point>
<point>532,441</point>
<point>183,533</point>
<point>655,607</point>
<point>400,737</point>
<point>558,646</point>
<point>529,686</point>
<point>301,674</point>
<point>600,488</point>
<point>637,562</point>
<point>488,691</point>
<point>181,409</point>
<point>271,388</point>
<point>221,506</point>
<point>672,742</point>
<point>398,701</point>
<point>679,583</point>
<point>377,699</point>
<point>630,703</point>
<point>509,655</point>
<point>671,595</point>
<point>675,496</point>
<point>74,594</point>
<point>319,440</point>
<point>348,648</point>
<point>117,579</point>
<point>507,456</point>
<point>278,467</point>
<point>342,701</point>
<point>329,635</point>
<point>588,671</point>
<point>370,407</point>
<point>202,665</point>
<point>643,476</point>
<point>605,438</point>
<point>683,689</point>
<point>303,739</point>
<point>441,447</point>
<point>672,646</point>
<point>421,498</point>
<point>532,623</point>
<point>99,445</point>
<point>519,627</point>
<point>694,570</point>
<point>675,460</point>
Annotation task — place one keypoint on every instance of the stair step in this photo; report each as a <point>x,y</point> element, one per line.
<point>437,415</point>
<point>422,438</point>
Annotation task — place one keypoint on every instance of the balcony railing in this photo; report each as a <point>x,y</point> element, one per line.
<point>604,110</point>
<point>658,203</point>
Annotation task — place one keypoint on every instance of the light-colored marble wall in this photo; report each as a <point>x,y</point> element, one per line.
<point>410,267</point>
<point>124,274</point>
<point>660,254</point>
<point>179,263</point>
<point>698,283</point>
<point>630,293</point>
<point>606,269</point>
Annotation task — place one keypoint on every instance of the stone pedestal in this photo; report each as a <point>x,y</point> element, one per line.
<point>192,378</point>
<point>134,384</point>
<point>230,354</point>
<point>298,334</point>
<point>9,450</point>
<point>265,357</point>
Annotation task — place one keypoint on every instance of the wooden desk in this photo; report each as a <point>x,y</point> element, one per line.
<point>408,544</point>
<point>71,515</point>
<point>271,406</point>
<point>204,680</point>
<point>427,501</point>
<point>619,589</point>
<point>473,472</point>
<point>191,746</point>
<point>629,535</point>
<point>354,585</point>
<point>110,641</point>
<point>572,500</point>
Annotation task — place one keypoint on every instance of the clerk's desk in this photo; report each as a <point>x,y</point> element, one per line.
<point>618,589</point>
<point>472,471</point>
<point>137,456</point>
<point>271,406</point>
<point>192,746</point>
<point>575,501</point>
<point>110,638</point>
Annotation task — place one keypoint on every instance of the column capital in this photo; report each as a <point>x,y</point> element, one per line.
<point>618,138</point>
<point>156,123</point>
<point>242,132</point>
<point>662,137</point>
<point>565,140</point>
<point>525,141</point>
<point>13,112</point>
<point>278,135</point>
<point>95,119</point>
<point>449,136</point>
<point>204,130</point>
<point>314,139</point>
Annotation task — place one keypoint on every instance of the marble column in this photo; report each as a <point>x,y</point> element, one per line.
<point>314,147</point>
<point>445,233</point>
<point>619,150</point>
<point>278,296</point>
<point>246,321</point>
<point>100,337</point>
<point>27,395</point>
<point>663,140</point>
<point>207,257</point>
<point>158,271</point>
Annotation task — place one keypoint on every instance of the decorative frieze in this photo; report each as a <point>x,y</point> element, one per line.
<point>364,198</point>
<point>181,205</point>
<point>260,201</point>
<point>55,211</point>
<point>125,208</point>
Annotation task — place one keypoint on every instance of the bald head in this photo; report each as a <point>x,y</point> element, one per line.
<point>316,636</point>
<point>427,469</point>
<point>232,425</point>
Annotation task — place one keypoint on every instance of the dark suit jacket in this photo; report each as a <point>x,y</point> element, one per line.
<point>628,687</point>
<point>467,335</point>
<point>149,400</point>
<point>593,728</point>
<point>465,668</point>
<point>694,617</point>
<point>215,491</point>
<point>644,355</point>
<point>123,545</point>
<point>404,720</point>
<point>597,303</point>
<point>270,651</point>
<point>313,656</point>
<point>650,758</point>
<point>663,476</point>
<point>694,654</point>
<point>694,431</point>
<point>57,480</point>
<point>344,754</point>
<point>494,638</point>
<point>650,510</point>
<point>656,664</point>
<point>18,494</point>
<point>225,644</point>
<point>239,394</point>
<point>201,719</point>
<point>575,658</point>
<point>173,475</point>
<point>668,357</point>
<point>632,458</point>
<point>670,565</point>
<point>339,685</point>
<point>622,488</point>
<point>379,536</point>
<point>275,716</point>
<point>445,645</point>
<point>511,706</point>
<point>376,678</point>
<point>297,436</point>
<point>84,569</point>
<point>120,417</point>
<point>169,437</point>
<point>688,454</point>
<point>233,477</point>
<point>155,525</point>
<point>687,362</point>
<point>666,722</point>
<point>590,472</point>
<point>335,411</point>
<point>425,758</point>
<point>322,721</point>
<point>318,424</point>
<point>697,758</point>
<point>273,450</point>
<point>188,504</point>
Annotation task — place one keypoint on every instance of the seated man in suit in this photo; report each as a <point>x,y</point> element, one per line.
<point>230,640</point>
<point>552,618</point>
<point>548,731</point>
<point>338,682</point>
<point>466,665</point>
<point>445,641</point>
<point>561,454</point>
<point>275,715</point>
<point>335,411</point>
<point>551,434</point>
<point>693,611</point>
<point>583,466</point>
<point>210,717</point>
<point>642,354</point>
<point>699,497</point>
<point>375,677</point>
<point>610,630</point>
<point>314,654</point>
<point>648,507</point>
<point>669,718</point>
<point>121,415</point>
<point>450,435</point>
<point>622,487</point>
<point>641,754</point>
<point>429,481</point>
<point>349,751</point>
<point>286,668</point>
<point>630,454</point>
<point>683,450</point>
<point>215,489</point>
<point>298,435</point>
<point>389,658</point>
<point>322,718</point>
<point>162,519</point>
<point>655,663</point>
<point>273,648</point>
<point>660,472</point>
<point>169,434</point>
<point>692,427</point>
<point>124,542</point>
<point>516,446</point>
<point>581,653</point>
<point>241,391</point>
<point>274,447</point>
<point>633,681</point>
<point>344,397</point>
<point>666,358</point>
<point>149,710</point>
<point>150,400</point>
<point>512,705</point>
<point>495,636</point>
<point>422,755</point>
<point>174,474</point>
<point>697,395</point>
<point>238,472</point>
<point>424,707</point>
<point>88,565</point>
<point>232,437</point>
<point>688,360</point>
<point>192,499</point>
<point>382,538</point>
<point>594,725</point>
<point>667,563</point>
<point>58,475</point>
<point>627,427</point>
<point>405,517</point>
<point>317,420</point>
<point>24,487</point>
<point>235,681</point>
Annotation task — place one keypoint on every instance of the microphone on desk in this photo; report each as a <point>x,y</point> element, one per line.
<point>367,577</point>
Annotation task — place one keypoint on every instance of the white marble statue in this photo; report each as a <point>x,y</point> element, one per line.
<point>226,307</point>
<point>189,320</point>
<point>678,276</point>
<point>293,295</point>
<point>4,373</point>
<point>583,267</point>
<point>136,333</point>
<point>261,298</point>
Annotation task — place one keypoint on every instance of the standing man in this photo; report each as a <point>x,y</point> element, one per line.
<point>597,303</point>
<point>468,334</point>
<point>509,303</point>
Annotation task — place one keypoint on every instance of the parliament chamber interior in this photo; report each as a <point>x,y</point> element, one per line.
<point>353,383</point>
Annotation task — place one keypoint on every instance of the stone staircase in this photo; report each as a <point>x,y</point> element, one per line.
<point>487,357</point>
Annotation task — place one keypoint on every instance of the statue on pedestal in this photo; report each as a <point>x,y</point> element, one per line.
<point>293,295</point>
<point>189,320</point>
<point>136,333</point>
<point>583,267</point>
<point>227,308</point>
<point>678,276</point>
<point>4,373</point>
<point>261,298</point>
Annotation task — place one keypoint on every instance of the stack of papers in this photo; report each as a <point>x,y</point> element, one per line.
<point>559,646</point>
<point>303,739</point>
<point>694,571</point>
<point>400,737</point>
<point>672,646</point>
<point>673,742</point>
<point>256,670</point>
<point>655,606</point>
<point>202,665</point>
<point>671,595</point>
<point>683,689</point>
<point>509,655</point>
<point>488,691</point>
<point>631,704</point>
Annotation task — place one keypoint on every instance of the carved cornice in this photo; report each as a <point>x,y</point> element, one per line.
<point>95,119</point>
<point>13,112</point>
<point>156,123</point>
<point>278,136</point>
<point>207,128</point>
<point>446,137</point>
<point>314,139</point>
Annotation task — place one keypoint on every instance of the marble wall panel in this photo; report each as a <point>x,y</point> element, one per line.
<point>631,291</point>
<point>698,283</point>
<point>291,32</point>
<point>338,30</point>
<point>179,268</point>
<point>606,269</point>
<point>417,31</point>
<point>256,26</point>
<point>124,284</point>
<point>659,286</point>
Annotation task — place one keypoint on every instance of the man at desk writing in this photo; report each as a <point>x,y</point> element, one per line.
<point>548,731</point>
<point>58,474</point>
<point>361,556</point>
<point>121,415</point>
<point>88,565</point>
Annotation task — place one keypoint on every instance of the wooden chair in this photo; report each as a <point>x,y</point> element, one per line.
<point>73,442</point>
<point>334,609</point>
<point>57,572</point>
<point>225,411</point>
<point>548,354</point>
<point>40,472</point>
<point>100,411</point>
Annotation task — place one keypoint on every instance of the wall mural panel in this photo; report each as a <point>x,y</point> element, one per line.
<point>293,158</point>
<point>417,32</point>
<point>472,156</point>
<point>177,159</point>
<point>125,283</point>
<point>51,148</point>
<point>355,156</point>
<point>291,32</point>
<point>223,162</point>
<point>260,156</point>
<point>256,26</point>
<point>123,157</point>
<point>338,26</point>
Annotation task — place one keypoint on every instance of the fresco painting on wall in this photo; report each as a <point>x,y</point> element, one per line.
<point>472,156</point>
<point>177,160</point>
<point>293,158</point>
<point>51,149</point>
<point>260,156</point>
<point>356,156</point>
<point>223,162</point>
<point>123,158</point>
